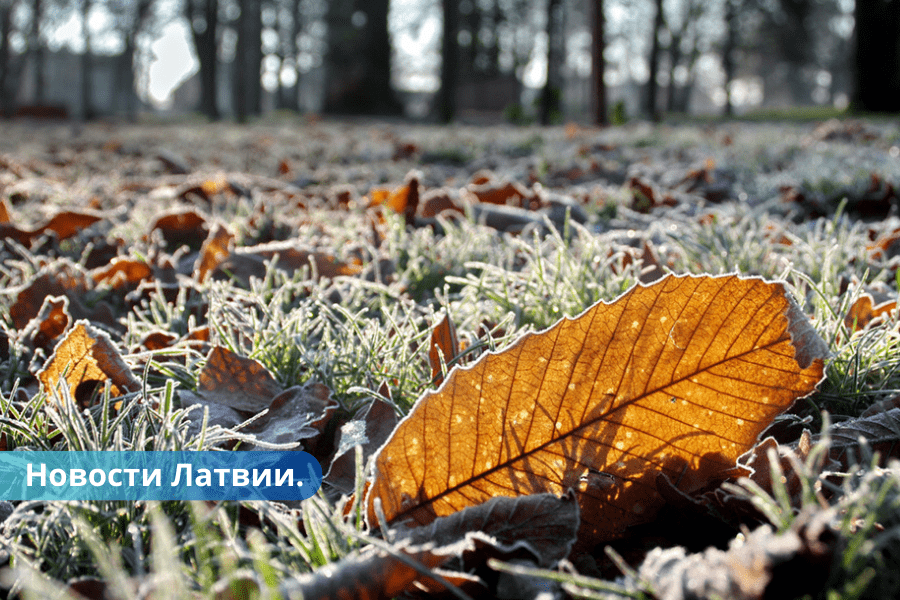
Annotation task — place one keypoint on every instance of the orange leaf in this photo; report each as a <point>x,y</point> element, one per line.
<point>444,347</point>
<point>68,223</point>
<point>83,361</point>
<point>214,250</point>
<point>50,322</point>
<point>123,272</point>
<point>677,378</point>
<point>862,313</point>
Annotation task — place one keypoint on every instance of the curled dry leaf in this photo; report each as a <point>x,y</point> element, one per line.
<point>247,388</point>
<point>215,249</point>
<point>83,361</point>
<point>679,378</point>
<point>864,312</point>
<point>51,322</point>
<point>123,274</point>
<point>64,225</point>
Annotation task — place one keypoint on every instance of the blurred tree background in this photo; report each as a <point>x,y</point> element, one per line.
<point>523,60</point>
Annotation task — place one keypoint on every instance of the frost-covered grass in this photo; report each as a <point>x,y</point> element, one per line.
<point>356,335</point>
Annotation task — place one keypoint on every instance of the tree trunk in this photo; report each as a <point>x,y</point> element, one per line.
<point>246,84</point>
<point>6,95</point>
<point>728,66</point>
<point>598,63</point>
<point>37,51</point>
<point>359,59</point>
<point>204,25</point>
<point>652,85</point>
<point>87,66</point>
<point>877,60</point>
<point>446,96</point>
<point>551,95</point>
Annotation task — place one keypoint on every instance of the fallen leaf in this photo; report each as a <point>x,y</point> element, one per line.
<point>792,564</point>
<point>864,312</point>
<point>404,200</point>
<point>181,227</point>
<point>64,225</point>
<point>123,273</point>
<point>60,279</point>
<point>237,381</point>
<point>215,249</point>
<point>51,322</point>
<point>297,413</point>
<point>880,433</point>
<point>369,430</point>
<point>506,193</point>
<point>443,348</point>
<point>83,361</point>
<point>679,377</point>
<point>540,527</point>
<point>68,223</point>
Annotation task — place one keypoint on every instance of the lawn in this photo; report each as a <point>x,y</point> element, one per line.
<point>308,284</point>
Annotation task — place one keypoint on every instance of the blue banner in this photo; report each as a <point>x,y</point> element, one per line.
<point>177,475</point>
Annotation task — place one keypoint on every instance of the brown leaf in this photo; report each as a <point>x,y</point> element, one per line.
<point>881,432</point>
<point>123,273</point>
<point>297,413</point>
<point>215,249</point>
<point>863,312</point>
<point>236,381</point>
<point>541,527</point>
<point>679,377</point>
<point>180,227</point>
<point>506,193</point>
<point>51,322</point>
<point>31,298</point>
<point>792,564</point>
<point>244,263</point>
<point>68,223</point>
<point>373,574</point>
<point>83,361</point>
<point>444,348</point>
<point>370,430</point>
<point>61,279</point>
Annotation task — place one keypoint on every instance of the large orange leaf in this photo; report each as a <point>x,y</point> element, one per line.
<point>677,378</point>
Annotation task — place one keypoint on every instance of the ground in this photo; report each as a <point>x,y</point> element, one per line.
<point>301,265</point>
